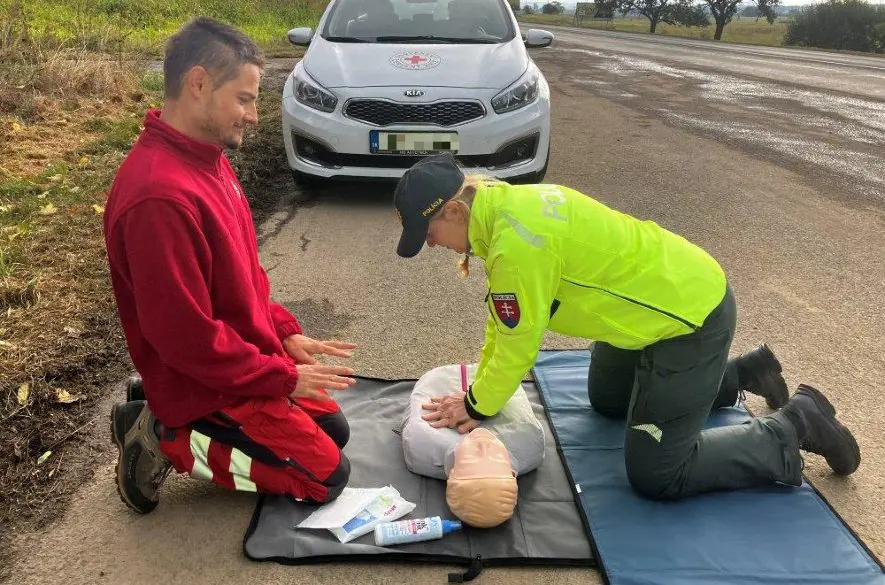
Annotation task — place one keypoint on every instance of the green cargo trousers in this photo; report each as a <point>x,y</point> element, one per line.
<point>666,391</point>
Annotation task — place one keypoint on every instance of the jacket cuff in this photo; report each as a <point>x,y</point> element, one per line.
<point>292,378</point>
<point>471,411</point>
<point>288,328</point>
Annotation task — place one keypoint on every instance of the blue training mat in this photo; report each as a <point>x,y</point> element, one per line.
<point>772,535</point>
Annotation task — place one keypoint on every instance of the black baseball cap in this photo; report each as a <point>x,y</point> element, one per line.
<point>420,194</point>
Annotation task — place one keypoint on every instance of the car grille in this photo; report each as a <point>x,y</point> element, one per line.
<point>384,113</point>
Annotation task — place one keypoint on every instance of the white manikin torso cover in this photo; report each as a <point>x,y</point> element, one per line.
<point>431,452</point>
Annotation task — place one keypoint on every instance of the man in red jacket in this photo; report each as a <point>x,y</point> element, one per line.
<point>233,391</point>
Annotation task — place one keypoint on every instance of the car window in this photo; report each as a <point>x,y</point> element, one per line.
<point>483,21</point>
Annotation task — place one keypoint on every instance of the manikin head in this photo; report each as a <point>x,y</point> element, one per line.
<point>481,489</point>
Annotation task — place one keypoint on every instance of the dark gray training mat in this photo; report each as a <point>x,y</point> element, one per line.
<point>547,527</point>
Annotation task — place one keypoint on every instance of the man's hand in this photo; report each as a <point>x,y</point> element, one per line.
<point>302,348</point>
<point>449,411</point>
<point>315,379</point>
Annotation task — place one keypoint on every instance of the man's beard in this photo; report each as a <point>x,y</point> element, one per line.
<point>219,136</point>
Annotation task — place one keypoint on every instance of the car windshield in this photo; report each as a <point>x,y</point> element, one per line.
<point>419,21</point>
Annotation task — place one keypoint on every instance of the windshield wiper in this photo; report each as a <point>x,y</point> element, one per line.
<point>346,40</point>
<point>433,39</point>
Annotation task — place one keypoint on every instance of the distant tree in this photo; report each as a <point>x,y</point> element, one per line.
<point>527,9</point>
<point>751,12</point>
<point>672,12</point>
<point>554,7</point>
<point>724,10</point>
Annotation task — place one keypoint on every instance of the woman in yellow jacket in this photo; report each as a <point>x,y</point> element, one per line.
<point>659,311</point>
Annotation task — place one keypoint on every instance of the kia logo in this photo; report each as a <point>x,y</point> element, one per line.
<point>413,93</point>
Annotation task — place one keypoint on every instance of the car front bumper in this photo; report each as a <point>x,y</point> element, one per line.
<point>332,145</point>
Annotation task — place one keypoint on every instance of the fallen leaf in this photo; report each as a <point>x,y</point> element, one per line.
<point>43,195</point>
<point>5,208</point>
<point>43,458</point>
<point>84,161</point>
<point>24,391</point>
<point>16,126</point>
<point>73,331</point>
<point>99,209</point>
<point>48,209</point>
<point>13,233</point>
<point>65,397</point>
<point>55,178</point>
<point>75,189</point>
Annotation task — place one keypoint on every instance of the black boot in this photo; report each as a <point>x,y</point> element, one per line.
<point>819,432</point>
<point>759,373</point>
<point>134,389</point>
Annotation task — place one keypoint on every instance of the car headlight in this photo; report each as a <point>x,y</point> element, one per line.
<point>520,94</point>
<point>311,94</point>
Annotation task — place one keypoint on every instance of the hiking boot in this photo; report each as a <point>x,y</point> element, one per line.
<point>760,373</point>
<point>134,389</point>
<point>141,466</point>
<point>819,432</point>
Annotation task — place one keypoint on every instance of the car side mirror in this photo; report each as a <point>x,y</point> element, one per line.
<point>536,37</point>
<point>300,37</point>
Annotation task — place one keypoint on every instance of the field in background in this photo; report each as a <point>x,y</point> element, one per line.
<point>740,30</point>
<point>74,89</point>
<point>145,24</point>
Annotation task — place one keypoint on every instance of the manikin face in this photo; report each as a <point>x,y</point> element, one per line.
<point>481,489</point>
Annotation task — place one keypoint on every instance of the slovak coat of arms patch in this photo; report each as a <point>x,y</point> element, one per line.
<point>507,308</point>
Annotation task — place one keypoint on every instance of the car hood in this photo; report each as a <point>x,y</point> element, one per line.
<point>400,65</point>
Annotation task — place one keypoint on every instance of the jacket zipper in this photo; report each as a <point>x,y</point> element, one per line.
<point>639,303</point>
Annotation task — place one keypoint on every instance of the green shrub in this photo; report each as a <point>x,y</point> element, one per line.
<point>854,25</point>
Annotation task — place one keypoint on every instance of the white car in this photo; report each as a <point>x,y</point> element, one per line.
<point>386,82</point>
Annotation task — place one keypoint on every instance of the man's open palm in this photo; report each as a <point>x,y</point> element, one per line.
<point>302,349</point>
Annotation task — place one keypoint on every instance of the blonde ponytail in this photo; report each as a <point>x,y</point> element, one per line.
<point>465,196</point>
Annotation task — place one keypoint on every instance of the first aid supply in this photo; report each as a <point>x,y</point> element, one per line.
<point>405,531</point>
<point>357,511</point>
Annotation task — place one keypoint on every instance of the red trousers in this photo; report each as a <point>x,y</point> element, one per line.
<point>266,445</point>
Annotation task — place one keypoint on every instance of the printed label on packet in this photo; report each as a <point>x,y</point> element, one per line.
<point>407,527</point>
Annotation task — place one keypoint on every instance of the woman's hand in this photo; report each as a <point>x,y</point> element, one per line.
<point>449,411</point>
<point>302,348</point>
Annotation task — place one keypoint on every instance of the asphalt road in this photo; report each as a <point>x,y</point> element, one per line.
<point>782,182</point>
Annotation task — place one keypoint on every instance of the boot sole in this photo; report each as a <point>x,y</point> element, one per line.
<point>118,436</point>
<point>827,407</point>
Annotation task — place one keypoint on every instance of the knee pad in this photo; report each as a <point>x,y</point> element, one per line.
<point>336,426</point>
<point>337,480</point>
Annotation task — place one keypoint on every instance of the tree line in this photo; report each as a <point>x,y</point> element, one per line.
<point>854,25</point>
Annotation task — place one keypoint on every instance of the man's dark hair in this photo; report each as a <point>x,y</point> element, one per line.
<point>218,47</point>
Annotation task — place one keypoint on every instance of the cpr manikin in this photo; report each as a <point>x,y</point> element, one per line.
<point>481,489</point>
<point>431,452</point>
<point>434,453</point>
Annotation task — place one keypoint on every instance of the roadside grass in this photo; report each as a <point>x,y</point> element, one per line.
<point>146,24</point>
<point>74,88</point>
<point>740,30</point>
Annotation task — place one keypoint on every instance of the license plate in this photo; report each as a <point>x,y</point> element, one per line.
<point>413,143</point>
